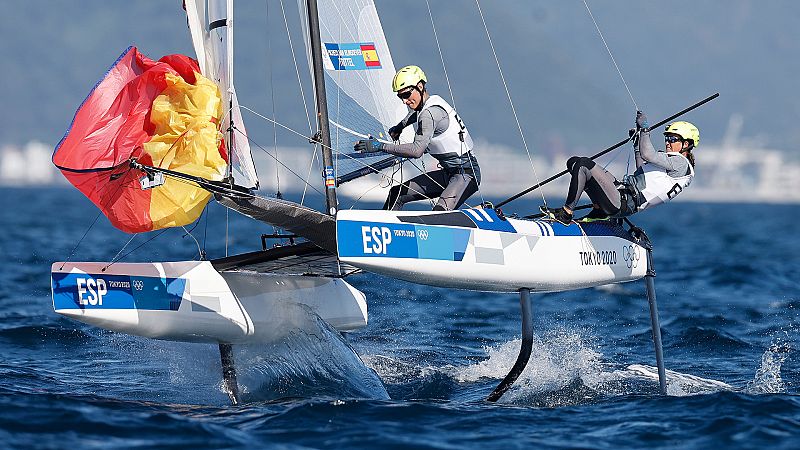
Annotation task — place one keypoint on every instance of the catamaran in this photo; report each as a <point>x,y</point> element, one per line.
<point>148,165</point>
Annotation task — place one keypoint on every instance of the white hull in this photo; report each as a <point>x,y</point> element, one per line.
<point>190,301</point>
<point>476,250</point>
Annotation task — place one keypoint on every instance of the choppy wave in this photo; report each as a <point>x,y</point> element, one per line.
<point>418,375</point>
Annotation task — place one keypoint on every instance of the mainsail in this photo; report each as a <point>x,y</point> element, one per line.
<point>358,71</point>
<point>358,79</point>
<point>210,24</point>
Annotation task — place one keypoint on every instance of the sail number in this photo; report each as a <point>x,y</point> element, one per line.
<point>376,239</point>
<point>91,291</point>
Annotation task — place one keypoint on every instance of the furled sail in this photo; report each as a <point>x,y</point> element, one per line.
<point>210,25</point>
<point>163,114</point>
<point>358,80</point>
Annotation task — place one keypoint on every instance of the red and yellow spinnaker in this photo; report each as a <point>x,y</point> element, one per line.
<point>162,113</point>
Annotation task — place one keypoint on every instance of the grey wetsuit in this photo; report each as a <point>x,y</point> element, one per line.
<point>457,178</point>
<point>613,197</point>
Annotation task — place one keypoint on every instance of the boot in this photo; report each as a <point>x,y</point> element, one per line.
<point>558,214</point>
<point>595,215</point>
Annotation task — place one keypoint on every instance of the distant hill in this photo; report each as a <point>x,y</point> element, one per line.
<point>564,86</point>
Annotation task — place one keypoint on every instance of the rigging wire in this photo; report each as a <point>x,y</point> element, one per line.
<point>296,69</point>
<point>164,230</point>
<point>627,88</point>
<point>72,253</point>
<point>610,54</point>
<point>302,13</point>
<point>120,250</point>
<point>270,60</point>
<point>260,147</point>
<point>508,94</point>
<point>302,94</point>
<point>357,160</point>
<point>121,179</point>
<point>201,251</point>
<point>272,98</point>
<point>452,96</point>
<point>441,56</point>
<point>305,181</point>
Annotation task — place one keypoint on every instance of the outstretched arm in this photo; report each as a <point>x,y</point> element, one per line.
<point>644,149</point>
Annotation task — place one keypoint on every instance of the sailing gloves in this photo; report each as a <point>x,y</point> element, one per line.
<point>368,146</point>
<point>641,120</point>
<point>641,127</point>
<point>395,132</point>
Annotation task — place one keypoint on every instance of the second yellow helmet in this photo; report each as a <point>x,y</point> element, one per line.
<point>685,130</point>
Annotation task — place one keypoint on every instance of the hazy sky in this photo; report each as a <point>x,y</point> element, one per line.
<point>563,82</point>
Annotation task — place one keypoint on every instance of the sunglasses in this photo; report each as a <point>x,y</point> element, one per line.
<point>672,139</point>
<point>405,95</point>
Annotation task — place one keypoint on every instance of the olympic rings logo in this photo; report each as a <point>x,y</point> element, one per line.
<point>630,253</point>
<point>423,234</point>
<point>138,285</point>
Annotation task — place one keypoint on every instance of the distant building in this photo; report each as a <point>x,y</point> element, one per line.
<point>30,165</point>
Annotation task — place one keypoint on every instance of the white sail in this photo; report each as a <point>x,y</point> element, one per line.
<point>211,28</point>
<point>358,80</point>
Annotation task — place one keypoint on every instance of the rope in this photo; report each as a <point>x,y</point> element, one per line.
<point>189,233</point>
<point>207,213</point>
<point>356,201</point>
<point>308,175</point>
<point>611,55</point>
<point>508,94</point>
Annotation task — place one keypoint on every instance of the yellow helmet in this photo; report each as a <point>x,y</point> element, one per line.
<point>685,130</point>
<point>408,76</point>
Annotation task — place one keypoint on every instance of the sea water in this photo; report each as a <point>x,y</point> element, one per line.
<point>418,374</point>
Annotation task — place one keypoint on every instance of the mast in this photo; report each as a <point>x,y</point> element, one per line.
<point>229,51</point>
<point>324,134</point>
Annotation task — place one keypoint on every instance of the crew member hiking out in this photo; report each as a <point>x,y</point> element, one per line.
<point>659,176</point>
<point>440,132</point>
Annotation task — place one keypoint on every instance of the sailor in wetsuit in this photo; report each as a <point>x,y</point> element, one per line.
<point>440,132</point>
<point>659,175</point>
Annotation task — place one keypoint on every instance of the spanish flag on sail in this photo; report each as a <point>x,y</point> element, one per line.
<point>370,55</point>
<point>161,113</point>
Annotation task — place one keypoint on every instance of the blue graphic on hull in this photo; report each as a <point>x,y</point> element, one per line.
<point>393,240</point>
<point>90,291</point>
<point>487,219</point>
